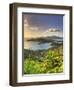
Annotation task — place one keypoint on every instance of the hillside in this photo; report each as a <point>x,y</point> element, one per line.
<point>43,61</point>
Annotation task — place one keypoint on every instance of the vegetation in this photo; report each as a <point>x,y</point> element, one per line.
<point>43,61</point>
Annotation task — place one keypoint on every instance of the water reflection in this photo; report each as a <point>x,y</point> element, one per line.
<point>33,45</point>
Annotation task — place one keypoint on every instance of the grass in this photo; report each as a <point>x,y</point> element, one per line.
<point>47,61</point>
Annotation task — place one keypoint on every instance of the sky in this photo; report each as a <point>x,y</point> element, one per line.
<point>45,21</point>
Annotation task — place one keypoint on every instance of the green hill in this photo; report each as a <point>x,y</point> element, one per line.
<point>43,61</point>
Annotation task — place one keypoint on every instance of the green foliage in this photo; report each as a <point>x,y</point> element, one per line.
<point>50,62</point>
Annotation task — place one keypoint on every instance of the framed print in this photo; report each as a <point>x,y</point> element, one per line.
<point>40,44</point>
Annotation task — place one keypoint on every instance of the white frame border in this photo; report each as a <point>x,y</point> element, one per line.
<point>37,78</point>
